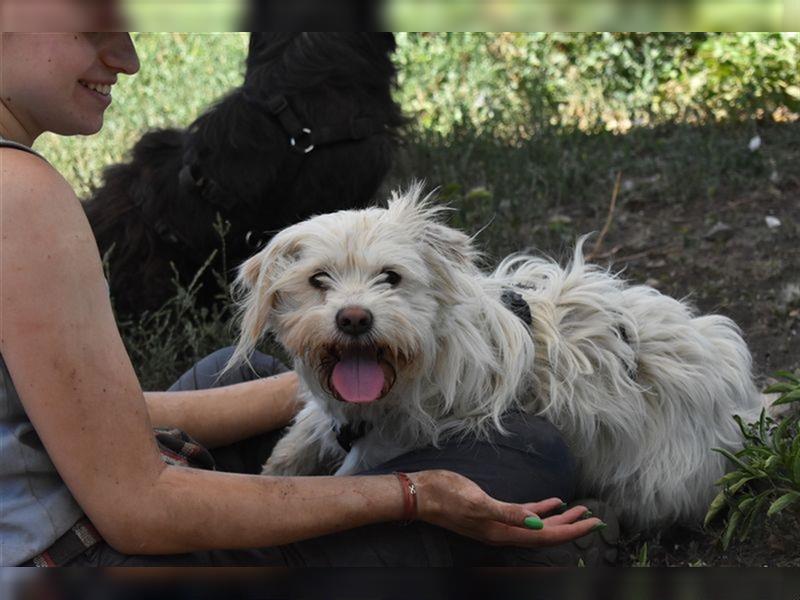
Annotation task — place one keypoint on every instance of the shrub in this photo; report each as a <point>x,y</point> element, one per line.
<point>513,84</point>
<point>766,480</point>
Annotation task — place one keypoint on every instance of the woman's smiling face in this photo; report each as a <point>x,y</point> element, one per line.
<point>62,82</point>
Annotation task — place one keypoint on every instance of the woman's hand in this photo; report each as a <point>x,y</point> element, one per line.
<point>454,502</point>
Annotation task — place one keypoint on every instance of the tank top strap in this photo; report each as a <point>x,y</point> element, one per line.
<point>4,143</point>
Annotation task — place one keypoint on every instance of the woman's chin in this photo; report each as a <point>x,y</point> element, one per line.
<point>84,127</point>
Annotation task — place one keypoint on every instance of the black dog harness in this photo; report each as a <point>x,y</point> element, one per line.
<point>514,302</point>
<point>302,138</point>
<point>348,434</point>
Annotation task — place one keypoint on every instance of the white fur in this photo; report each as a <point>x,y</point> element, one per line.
<point>641,414</point>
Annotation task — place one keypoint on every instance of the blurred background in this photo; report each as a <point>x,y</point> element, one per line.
<point>452,15</point>
<point>467,15</point>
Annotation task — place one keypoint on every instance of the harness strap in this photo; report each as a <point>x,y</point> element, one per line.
<point>347,434</point>
<point>279,107</point>
<point>514,302</point>
<point>303,138</point>
<point>356,129</point>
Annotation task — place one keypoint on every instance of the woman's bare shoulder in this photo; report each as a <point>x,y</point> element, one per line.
<point>22,170</point>
<point>37,199</point>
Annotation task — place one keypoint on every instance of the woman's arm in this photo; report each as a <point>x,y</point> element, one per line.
<point>219,416</point>
<point>60,342</point>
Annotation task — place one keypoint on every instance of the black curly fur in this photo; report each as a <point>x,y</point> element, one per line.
<point>240,155</point>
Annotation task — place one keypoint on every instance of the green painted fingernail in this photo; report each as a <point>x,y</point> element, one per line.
<point>533,523</point>
<point>599,526</point>
<point>563,505</point>
<point>587,514</point>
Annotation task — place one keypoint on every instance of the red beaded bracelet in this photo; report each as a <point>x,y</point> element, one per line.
<point>409,497</point>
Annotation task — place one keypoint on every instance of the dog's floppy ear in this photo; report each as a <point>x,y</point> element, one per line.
<point>256,289</point>
<point>448,252</point>
<point>451,244</point>
<point>451,256</point>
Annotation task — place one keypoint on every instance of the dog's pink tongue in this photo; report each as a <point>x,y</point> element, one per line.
<point>358,377</point>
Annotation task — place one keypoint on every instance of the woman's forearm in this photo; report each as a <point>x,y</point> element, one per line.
<point>219,416</point>
<point>186,507</point>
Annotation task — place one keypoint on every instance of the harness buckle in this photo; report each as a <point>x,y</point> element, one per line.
<point>303,137</point>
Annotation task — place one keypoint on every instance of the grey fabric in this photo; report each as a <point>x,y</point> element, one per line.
<point>36,508</point>
<point>245,456</point>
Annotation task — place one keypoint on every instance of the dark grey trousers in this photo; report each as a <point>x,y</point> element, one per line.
<point>531,463</point>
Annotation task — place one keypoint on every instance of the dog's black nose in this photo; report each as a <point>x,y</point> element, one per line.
<point>354,320</point>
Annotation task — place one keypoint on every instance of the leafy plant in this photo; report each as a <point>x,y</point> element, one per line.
<point>165,342</point>
<point>642,557</point>
<point>766,480</point>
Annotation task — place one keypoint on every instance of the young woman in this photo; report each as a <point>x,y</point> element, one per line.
<point>76,429</point>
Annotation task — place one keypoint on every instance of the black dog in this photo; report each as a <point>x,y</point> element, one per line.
<point>311,130</point>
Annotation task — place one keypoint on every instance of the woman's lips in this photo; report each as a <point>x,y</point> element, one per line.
<point>104,99</point>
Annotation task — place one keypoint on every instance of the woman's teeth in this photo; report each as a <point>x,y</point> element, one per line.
<point>100,88</point>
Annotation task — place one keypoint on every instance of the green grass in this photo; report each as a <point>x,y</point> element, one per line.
<point>766,477</point>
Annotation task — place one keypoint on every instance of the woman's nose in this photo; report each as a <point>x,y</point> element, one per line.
<point>119,54</point>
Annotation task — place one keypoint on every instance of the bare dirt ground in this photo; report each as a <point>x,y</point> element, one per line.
<point>726,258</point>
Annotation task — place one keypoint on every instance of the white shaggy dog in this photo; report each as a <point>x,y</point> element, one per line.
<point>397,335</point>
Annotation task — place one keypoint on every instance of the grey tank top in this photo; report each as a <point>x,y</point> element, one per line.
<point>36,507</point>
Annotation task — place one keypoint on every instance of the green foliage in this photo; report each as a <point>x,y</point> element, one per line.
<point>165,342</point>
<point>513,84</point>
<point>642,558</point>
<point>766,477</point>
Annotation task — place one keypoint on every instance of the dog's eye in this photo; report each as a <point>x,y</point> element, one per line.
<point>392,278</point>
<point>316,280</point>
